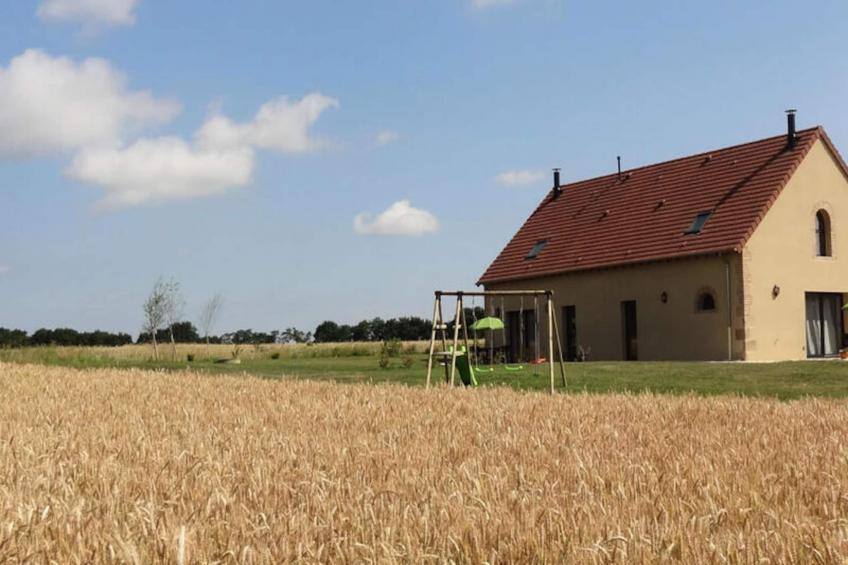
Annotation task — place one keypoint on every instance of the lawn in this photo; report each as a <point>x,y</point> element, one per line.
<point>346,364</point>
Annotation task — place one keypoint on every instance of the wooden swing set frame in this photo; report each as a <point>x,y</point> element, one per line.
<point>440,326</point>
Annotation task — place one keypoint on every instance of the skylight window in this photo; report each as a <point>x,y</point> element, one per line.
<point>537,249</point>
<point>699,222</point>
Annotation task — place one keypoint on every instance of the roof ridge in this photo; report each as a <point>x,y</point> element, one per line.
<point>819,129</point>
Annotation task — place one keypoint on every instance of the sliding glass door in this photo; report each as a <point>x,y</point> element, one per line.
<point>824,324</point>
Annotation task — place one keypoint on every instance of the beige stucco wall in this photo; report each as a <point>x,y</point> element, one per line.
<point>666,331</point>
<point>782,252</point>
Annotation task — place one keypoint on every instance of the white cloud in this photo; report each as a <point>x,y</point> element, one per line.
<point>483,4</point>
<point>398,219</point>
<point>279,124</point>
<point>519,178</point>
<point>386,136</point>
<point>53,104</point>
<point>90,12</point>
<point>160,169</point>
<point>221,157</point>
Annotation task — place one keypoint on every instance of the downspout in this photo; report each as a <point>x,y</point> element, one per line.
<point>729,311</point>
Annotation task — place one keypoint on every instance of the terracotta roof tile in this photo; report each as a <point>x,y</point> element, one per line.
<point>644,216</point>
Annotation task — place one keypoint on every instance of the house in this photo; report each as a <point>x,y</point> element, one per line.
<point>731,254</point>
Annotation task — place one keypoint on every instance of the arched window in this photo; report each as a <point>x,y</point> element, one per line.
<point>706,301</point>
<point>823,234</point>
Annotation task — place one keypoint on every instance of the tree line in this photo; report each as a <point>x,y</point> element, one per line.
<point>409,328</point>
<point>164,322</point>
<point>62,336</point>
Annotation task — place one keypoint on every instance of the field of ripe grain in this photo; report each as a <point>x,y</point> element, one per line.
<point>202,352</point>
<point>134,466</point>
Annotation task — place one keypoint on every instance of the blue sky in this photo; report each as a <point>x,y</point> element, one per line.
<point>130,145</point>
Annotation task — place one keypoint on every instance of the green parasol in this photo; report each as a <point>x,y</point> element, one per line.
<point>488,323</point>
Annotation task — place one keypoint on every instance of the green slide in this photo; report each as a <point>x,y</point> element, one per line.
<point>466,371</point>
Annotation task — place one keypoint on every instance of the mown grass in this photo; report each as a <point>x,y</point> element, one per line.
<point>357,363</point>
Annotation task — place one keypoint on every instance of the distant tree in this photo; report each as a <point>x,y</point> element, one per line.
<point>71,337</point>
<point>59,336</point>
<point>362,331</point>
<point>174,306</point>
<point>156,312</point>
<point>294,335</point>
<point>345,333</point>
<point>185,332</point>
<point>13,338</point>
<point>99,338</point>
<point>41,336</point>
<point>409,328</point>
<point>378,330</point>
<point>209,315</point>
<point>326,332</point>
<point>241,337</point>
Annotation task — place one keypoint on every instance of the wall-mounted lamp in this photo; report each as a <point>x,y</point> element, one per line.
<point>775,292</point>
<point>664,297</point>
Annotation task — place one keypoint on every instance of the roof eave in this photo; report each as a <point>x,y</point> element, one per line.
<point>737,249</point>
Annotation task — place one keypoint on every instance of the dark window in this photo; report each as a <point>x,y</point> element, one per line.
<point>628,313</point>
<point>822,234</point>
<point>698,223</point>
<point>537,249</point>
<point>706,302</point>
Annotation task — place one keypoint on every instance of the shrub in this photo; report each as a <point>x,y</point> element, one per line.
<point>384,362</point>
<point>190,357</point>
<point>275,355</point>
<point>407,362</point>
<point>361,351</point>
<point>391,348</point>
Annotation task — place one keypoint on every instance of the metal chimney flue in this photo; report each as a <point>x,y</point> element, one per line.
<point>791,135</point>
<point>557,190</point>
<point>619,166</point>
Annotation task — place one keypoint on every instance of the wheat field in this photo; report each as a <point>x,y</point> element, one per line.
<point>137,467</point>
<point>202,352</point>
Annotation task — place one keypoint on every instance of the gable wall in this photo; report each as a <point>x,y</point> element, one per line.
<point>782,252</point>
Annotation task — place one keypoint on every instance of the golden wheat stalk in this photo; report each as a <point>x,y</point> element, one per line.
<point>135,466</point>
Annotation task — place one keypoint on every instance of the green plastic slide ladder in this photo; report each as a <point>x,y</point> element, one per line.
<point>466,371</point>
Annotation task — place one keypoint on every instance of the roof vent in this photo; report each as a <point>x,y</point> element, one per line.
<point>791,135</point>
<point>619,166</point>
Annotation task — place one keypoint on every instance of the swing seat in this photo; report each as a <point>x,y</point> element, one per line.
<point>513,368</point>
<point>538,361</point>
<point>484,369</point>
